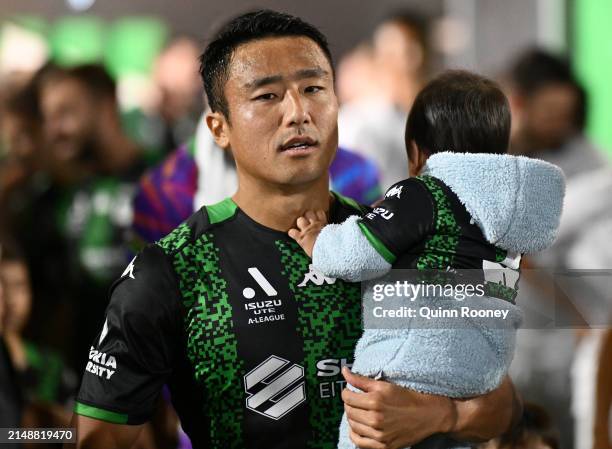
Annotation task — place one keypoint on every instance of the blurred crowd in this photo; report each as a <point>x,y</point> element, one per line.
<point>85,183</point>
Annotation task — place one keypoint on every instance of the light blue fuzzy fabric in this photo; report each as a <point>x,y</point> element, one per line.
<point>517,204</point>
<point>455,357</point>
<point>342,251</point>
<point>516,201</point>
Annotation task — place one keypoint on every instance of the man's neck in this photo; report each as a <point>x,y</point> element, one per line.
<point>278,207</point>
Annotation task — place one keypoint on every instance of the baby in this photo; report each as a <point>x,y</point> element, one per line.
<point>466,205</point>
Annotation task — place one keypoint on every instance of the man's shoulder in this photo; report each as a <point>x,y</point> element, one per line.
<point>146,284</point>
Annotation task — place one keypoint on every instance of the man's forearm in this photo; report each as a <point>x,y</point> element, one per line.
<point>488,416</point>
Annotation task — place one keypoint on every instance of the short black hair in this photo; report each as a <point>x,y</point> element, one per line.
<point>94,77</point>
<point>460,111</point>
<point>216,59</point>
<point>97,79</point>
<point>534,69</point>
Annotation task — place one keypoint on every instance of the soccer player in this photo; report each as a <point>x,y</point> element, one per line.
<point>226,309</point>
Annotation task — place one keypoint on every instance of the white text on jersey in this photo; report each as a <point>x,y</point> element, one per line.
<point>100,364</point>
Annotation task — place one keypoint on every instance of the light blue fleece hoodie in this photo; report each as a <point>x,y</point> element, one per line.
<point>517,203</point>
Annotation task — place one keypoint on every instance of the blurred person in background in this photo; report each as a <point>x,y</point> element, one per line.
<point>181,98</point>
<point>372,122</point>
<point>357,75</point>
<point>36,388</point>
<point>25,212</point>
<point>565,367</point>
<point>83,219</point>
<point>549,113</point>
<point>94,167</point>
<point>81,116</point>
<point>47,384</point>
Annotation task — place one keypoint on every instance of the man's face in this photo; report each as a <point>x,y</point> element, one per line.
<point>283,111</point>
<point>549,116</point>
<point>69,115</point>
<point>397,50</point>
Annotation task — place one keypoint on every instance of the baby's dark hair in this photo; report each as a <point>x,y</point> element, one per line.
<point>462,112</point>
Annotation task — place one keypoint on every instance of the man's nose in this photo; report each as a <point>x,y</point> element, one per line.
<point>296,110</point>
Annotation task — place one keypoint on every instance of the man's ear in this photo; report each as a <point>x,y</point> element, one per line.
<point>219,127</point>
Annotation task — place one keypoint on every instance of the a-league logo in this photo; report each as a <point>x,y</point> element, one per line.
<point>275,387</point>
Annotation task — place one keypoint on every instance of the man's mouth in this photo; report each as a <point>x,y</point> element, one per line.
<point>298,144</point>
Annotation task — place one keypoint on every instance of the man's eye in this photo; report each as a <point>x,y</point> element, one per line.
<point>268,96</point>
<point>313,89</point>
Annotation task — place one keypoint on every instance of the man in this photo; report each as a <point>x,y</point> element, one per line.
<point>175,73</point>
<point>549,112</point>
<point>549,108</point>
<point>85,213</point>
<point>81,117</point>
<point>226,311</point>
<point>374,122</point>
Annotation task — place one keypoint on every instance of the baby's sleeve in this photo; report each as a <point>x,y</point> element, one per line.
<point>401,220</point>
<point>342,251</point>
<point>363,248</point>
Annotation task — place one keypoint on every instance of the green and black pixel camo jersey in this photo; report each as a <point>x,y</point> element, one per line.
<point>232,317</point>
<point>422,224</point>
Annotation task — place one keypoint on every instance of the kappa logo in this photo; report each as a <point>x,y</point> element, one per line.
<point>129,271</point>
<point>315,277</point>
<point>104,332</point>
<point>394,191</point>
<point>275,387</point>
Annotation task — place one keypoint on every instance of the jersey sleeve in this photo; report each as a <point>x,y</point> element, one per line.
<point>401,220</point>
<point>133,355</point>
<point>342,251</point>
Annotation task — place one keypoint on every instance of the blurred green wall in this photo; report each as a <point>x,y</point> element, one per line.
<point>593,63</point>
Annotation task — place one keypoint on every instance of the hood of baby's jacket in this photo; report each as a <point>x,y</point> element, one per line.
<point>516,201</point>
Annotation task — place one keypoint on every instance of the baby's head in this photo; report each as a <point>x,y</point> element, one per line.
<point>459,112</point>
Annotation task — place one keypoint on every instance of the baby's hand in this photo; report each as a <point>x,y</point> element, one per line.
<point>308,228</point>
